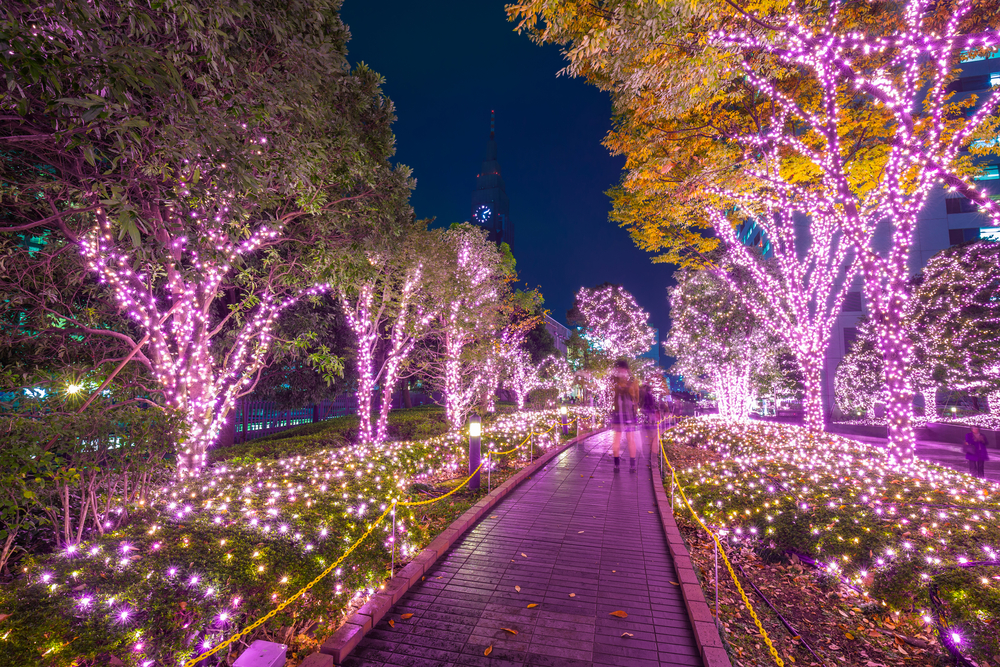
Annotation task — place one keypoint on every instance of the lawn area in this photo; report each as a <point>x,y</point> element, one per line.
<point>867,561</point>
<point>208,556</point>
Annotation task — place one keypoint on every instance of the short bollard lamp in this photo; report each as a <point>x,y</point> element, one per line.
<point>475,431</point>
<point>563,420</point>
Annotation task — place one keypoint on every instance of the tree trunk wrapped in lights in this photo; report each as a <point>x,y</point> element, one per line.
<point>804,274</point>
<point>719,344</point>
<point>389,312</point>
<point>468,286</point>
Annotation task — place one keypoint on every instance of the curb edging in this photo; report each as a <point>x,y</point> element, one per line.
<point>706,633</point>
<point>339,645</point>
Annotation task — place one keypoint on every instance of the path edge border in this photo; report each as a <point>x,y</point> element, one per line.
<point>340,644</point>
<point>706,633</point>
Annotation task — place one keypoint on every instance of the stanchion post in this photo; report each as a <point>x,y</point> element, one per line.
<point>392,541</point>
<point>475,433</point>
<point>716,582</point>
<point>489,471</point>
<point>531,447</point>
<point>563,420</point>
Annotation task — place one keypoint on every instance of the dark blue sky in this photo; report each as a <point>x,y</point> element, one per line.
<point>447,64</point>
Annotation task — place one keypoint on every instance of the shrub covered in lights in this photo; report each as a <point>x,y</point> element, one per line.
<point>204,557</point>
<point>912,537</point>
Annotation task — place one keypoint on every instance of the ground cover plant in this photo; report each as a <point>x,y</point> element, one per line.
<point>204,557</point>
<point>851,547</point>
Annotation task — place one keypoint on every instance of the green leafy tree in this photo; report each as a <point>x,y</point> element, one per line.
<point>212,162</point>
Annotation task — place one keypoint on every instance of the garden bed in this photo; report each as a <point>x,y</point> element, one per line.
<point>847,546</point>
<point>209,556</point>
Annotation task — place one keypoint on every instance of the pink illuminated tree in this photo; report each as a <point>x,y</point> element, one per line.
<point>388,310</point>
<point>870,129</point>
<point>615,324</point>
<point>468,285</point>
<point>803,274</point>
<point>718,343</point>
<point>207,190</point>
<point>954,319</point>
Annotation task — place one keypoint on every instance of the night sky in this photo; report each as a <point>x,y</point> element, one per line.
<point>447,64</point>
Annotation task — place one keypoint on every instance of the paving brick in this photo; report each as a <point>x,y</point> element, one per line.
<point>318,660</point>
<point>621,560</point>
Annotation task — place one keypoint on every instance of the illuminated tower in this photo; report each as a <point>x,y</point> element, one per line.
<point>490,206</point>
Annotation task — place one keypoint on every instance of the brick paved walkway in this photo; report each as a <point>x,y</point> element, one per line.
<point>582,530</point>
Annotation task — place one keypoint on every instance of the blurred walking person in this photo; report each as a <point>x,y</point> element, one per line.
<point>650,408</point>
<point>975,452</point>
<point>624,417</point>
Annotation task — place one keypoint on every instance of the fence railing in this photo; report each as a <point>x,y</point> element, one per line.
<point>257,419</point>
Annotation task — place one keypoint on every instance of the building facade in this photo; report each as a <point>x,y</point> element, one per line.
<point>490,205</point>
<point>559,332</point>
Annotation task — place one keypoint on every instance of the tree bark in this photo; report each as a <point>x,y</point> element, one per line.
<point>405,387</point>
<point>812,402</point>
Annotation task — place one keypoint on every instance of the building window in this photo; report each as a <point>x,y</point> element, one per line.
<point>956,236</point>
<point>850,333</point>
<point>967,84</point>
<point>960,205</point>
<point>852,302</point>
<point>972,59</point>
<point>991,172</point>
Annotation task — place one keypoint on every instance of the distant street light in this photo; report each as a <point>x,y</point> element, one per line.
<point>475,431</point>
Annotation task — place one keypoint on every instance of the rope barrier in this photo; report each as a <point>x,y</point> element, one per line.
<point>434,500</point>
<point>516,447</point>
<point>725,558</point>
<point>271,614</point>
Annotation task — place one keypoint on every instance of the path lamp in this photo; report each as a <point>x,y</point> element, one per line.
<point>475,431</point>
<point>562,420</point>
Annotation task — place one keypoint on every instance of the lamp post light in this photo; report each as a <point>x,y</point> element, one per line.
<point>562,420</point>
<point>475,431</point>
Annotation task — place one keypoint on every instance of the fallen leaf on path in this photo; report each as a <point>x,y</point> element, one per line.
<point>513,632</point>
<point>578,532</point>
<point>572,595</point>
<point>392,623</point>
<point>650,512</point>
<point>619,613</point>
<point>614,570</point>
<point>627,634</point>
<point>532,605</point>
<point>675,583</point>
<point>406,616</point>
<point>524,554</point>
<point>489,649</point>
<point>517,588</point>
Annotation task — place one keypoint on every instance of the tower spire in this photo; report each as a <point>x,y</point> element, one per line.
<point>492,122</point>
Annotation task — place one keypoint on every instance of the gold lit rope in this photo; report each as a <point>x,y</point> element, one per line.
<point>281,607</point>
<point>725,559</point>
<point>434,500</point>
<point>511,451</point>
